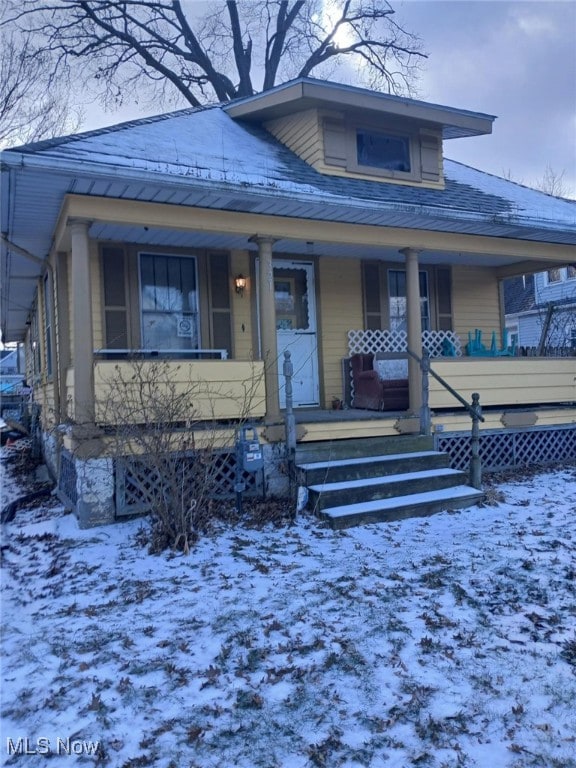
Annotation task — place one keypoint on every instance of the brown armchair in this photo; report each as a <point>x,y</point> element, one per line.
<point>367,387</point>
<point>374,393</point>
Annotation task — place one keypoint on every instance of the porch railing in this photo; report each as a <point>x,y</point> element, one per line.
<point>436,343</point>
<point>474,410</point>
<point>181,354</point>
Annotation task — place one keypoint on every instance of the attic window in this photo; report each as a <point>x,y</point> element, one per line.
<point>387,151</point>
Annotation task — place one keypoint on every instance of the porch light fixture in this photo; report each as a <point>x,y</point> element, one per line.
<point>240,284</point>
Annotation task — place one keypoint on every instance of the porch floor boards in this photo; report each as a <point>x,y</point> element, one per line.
<point>319,415</point>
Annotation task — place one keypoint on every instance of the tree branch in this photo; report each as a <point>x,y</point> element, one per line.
<point>243,56</point>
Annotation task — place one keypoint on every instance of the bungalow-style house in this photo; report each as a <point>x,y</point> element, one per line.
<point>541,310</point>
<point>317,219</point>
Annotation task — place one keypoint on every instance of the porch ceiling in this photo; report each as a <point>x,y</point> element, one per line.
<point>167,238</point>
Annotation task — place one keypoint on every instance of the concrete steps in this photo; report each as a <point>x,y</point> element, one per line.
<point>371,483</point>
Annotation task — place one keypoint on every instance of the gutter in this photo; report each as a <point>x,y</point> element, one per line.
<point>307,194</point>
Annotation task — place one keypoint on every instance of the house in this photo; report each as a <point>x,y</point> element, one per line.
<point>9,362</point>
<point>315,218</point>
<point>541,309</point>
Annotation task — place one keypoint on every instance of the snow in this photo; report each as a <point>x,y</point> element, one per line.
<point>529,203</point>
<point>207,145</point>
<point>444,641</point>
<point>440,494</point>
<point>368,460</point>
<point>385,480</point>
<point>202,145</point>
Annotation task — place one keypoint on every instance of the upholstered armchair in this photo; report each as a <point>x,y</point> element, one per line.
<point>380,381</point>
<point>367,386</point>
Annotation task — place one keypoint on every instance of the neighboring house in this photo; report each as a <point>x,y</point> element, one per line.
<point>9,362</point>
<point>541,309</point>
<point>12,398</point>
<point>316,218</point>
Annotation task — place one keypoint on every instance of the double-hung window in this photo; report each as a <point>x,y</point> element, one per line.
<point>397,300</point>
<point>169,302</point>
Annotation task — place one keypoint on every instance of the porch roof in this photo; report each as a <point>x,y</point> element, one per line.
<point>205,158</point>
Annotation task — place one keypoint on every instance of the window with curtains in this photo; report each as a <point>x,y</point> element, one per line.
<point>384,293</point>
<point>397,300</point>
<point>162,301</point>
<point>561,274</point>
<point>169,301</point>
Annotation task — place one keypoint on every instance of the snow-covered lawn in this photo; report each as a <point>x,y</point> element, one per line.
<point>444,641</point>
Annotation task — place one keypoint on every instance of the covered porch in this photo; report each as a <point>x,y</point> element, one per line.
<point>272,254</point>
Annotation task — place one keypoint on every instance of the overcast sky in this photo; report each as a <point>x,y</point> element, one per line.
<point>514,60</point>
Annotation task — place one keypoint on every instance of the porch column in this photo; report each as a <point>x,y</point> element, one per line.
<point>63,328</point>
<point>414,327</point>
<point>83,345</point>
<point>268,341</point>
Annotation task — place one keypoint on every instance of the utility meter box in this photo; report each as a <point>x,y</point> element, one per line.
<point>250,450</point>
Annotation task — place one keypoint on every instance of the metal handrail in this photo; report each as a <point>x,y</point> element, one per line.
<point>474,410</point>
<point>457,395</point>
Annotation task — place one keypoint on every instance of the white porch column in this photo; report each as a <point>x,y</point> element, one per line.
<point>268,340</point>
<point>414,327</point>
<point>83,344</point>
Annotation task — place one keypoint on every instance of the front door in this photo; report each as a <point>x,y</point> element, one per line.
<point>295,301</point>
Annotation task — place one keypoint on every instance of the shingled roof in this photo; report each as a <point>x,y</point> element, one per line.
<point>206,146</point>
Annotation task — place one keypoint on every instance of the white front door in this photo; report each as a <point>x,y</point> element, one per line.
<point>295,301</point>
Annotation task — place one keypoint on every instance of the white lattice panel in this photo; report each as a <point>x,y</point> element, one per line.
<point>138,483</point>
<point>504,450</point>
<point>376,341</point>
<point>397,341</point>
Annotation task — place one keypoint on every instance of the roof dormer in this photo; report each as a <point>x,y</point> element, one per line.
<point>346,131</point>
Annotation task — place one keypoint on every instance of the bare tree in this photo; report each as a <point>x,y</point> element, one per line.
<point>554,183</point>
<point>173,52</point>
<point>34,103</point>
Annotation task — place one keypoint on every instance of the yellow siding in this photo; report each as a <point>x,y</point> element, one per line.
<point>384,426</point>
<point>475,302</point>
<point>244,345</point>
<point>301,133</point>
<point>505,381</point>
<point>340,309</point>
<point>216,389</point>
<point>379,427</point>
<point>552,417</point>
<point>545,417</point>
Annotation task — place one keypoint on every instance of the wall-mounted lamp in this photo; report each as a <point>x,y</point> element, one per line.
<point>240,284</point>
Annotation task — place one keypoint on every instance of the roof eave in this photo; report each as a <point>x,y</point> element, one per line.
<point>304,94</point>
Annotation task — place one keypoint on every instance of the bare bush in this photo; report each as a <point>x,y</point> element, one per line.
<point>162,424</point>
